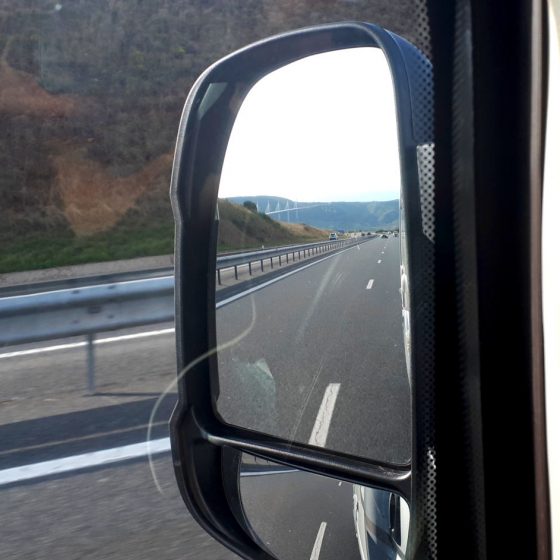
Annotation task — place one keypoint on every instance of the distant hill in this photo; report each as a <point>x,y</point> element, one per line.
<point>329,215</point>
<point>241,228</point>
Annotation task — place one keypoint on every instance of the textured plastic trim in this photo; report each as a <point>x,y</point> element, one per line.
<point>199,438</point>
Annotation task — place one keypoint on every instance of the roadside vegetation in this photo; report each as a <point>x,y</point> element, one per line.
<point>137,236</point>
<point>90,99</point>
<point>242,227</point>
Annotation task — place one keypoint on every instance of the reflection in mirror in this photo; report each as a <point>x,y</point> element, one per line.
<point>309,315</point>
<point>296,514</point>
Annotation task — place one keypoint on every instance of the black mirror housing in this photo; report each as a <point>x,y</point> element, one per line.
<point>205,450</point>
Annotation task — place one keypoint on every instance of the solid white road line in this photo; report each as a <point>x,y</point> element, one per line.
<point>369,284</point>
<point>84,461</point>
<point>107,340</point>
<point>324,416</point>
<point>134,335</point>
<point>43,349</point>
<point>101,458</point>
<point>318,541</point>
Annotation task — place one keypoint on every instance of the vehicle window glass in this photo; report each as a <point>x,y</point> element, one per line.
<point>90,98</point>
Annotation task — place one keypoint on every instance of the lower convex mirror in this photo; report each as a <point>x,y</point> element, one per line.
<point>300,515</point>
<point>310,331</point>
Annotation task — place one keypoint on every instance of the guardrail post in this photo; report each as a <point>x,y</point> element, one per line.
<point>262,266</point>
<point>250,271</point>
<point>219,277</point>
<point>90,364</point>
<point>235,271</point>
<point>271,263</point>
<point>279,260</point>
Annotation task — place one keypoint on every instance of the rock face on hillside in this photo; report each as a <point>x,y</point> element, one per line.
<point>91,94</point>
<point>241,228</point>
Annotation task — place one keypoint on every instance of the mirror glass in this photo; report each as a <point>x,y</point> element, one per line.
<point>309,314</point>
<point>300,515</point>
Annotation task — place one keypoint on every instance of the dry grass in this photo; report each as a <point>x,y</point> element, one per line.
<point>20,94</point>
<point>94,200</point>
<point>303,230</point>
<point>241,228</point>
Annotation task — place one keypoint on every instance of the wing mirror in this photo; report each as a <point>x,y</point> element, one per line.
<point>296,343</point>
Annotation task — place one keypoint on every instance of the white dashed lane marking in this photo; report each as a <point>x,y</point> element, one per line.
<point>318,541</point>
<point>324,416</point>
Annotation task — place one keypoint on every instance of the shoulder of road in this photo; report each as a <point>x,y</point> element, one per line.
<point>86,270</point>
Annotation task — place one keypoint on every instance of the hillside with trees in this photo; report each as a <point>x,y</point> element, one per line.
<point>90,99</point>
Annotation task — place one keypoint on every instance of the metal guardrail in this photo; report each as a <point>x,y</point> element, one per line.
<point>85,311</point>
<point>77,282</point>
<point>117,277</point>
<point>249,258</point>
<point>88,310</point>
<point>67,313</point>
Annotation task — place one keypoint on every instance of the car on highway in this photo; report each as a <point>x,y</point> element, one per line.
<point>382,522</point>
<point>333,236</point>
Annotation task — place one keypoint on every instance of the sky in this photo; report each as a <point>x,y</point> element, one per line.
<point>320,129</point>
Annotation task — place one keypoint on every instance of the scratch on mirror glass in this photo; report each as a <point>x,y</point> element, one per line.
<point>311,309</point>
<point>180,376</point>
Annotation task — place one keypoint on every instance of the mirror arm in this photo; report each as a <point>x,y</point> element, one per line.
<point>391,478</point>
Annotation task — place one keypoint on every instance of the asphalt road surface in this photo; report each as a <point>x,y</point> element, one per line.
<point>318,356</point>
<point>325,505</point>
<point>348,335</point>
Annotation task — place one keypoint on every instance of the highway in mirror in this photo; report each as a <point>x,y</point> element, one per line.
<point>298,515</point>
<point>315,353</point>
